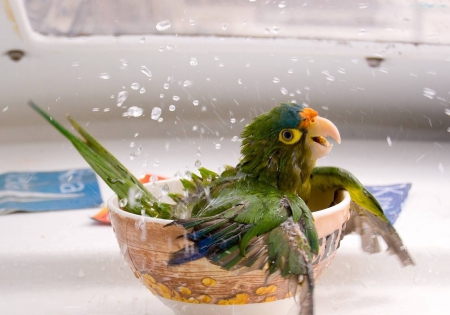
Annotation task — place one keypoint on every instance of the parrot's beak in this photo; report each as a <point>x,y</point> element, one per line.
<point>318,131</point>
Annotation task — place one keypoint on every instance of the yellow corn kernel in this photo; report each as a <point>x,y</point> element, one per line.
<point>184,290</point>
<point>209,282</point>
<point>223,302</point>
<point>204,299</point>
<point>270,298</point>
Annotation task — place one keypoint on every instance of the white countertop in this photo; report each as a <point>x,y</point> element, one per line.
<point>62,262</point>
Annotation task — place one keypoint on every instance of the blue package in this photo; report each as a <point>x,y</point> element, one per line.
<point>391,198</point>
<point>45,191</point>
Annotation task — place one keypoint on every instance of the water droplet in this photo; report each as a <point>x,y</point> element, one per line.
<point>193,61</point>
<point>448,129</point>
<point>282,4</point>
<point>75,64</point>
<point>153,179</point>
<point>187,83</point>
<point>172,108</point>
<point>191,22</point>
<point>199,152</point>
<point>121,97</point>
<point>275,29</point>
<point>134,111</point>
<point>169,46</point>
<point>203,109</point>
<point>146,71</point>
<point>160,49</point>
<point>233,120</point>
<point>284,91</point>
<point>429,93</point>
<point>194,128</point>
<point>142,90</point>
<point>156,164</point>
<point>176,98</point>
<point>106,110</point>
<point>276,80</point>
<point>165,190</point>
<point>224,26</point>
<point>135,86</point>
<point>218,146</point>
<point>163,25</point>
<point>195,102</point>
<point>363,5</point>
<point>384,70</point>
<point>142,40</point>
<point>235,138</point>
<point>161,95</point>
<point>441,168</point>
<point>166,86</point>
<point>160,119</point>
<point>81,273</point>
<point>290,71</point>
<point>447,111</point>
<point>355,61</point>
<point>156,113</point>
<point>362,31</point>
<point>329,78</point>
<point>198,164</point>
<point>341,70</point>
<point>132,145</point>
<point>221,65</point>
<point>96,109</point>
<point>123,202</point>
<point>104,76</point>
<point>298,91</point>
<point>133,155</point>
<point>389,141</point>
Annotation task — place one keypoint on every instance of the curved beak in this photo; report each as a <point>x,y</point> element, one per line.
<point>318,131</point>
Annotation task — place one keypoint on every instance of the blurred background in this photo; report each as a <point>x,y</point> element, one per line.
<point>169,85</point>
<point>376,68</point>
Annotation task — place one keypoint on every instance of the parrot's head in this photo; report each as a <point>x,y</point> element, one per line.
<point>289,134</point>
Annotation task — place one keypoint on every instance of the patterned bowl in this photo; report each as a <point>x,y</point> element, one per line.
<point>199,287</point>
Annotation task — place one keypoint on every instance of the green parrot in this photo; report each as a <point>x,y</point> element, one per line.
<point>255,215</point>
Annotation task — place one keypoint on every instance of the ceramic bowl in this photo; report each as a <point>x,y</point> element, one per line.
<point>199,287</point>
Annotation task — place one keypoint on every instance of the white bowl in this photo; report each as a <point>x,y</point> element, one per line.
<point>199,287</point>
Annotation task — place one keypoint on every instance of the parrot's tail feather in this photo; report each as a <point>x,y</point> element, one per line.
<point>306,297</point>
<point>369,226</point>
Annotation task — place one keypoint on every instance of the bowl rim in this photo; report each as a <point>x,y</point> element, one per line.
<point>112,205</point>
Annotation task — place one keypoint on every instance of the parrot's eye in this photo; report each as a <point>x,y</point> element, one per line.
<point>289,136</point>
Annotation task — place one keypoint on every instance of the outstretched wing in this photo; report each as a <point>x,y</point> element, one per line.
<point>367,217</point>
<point>255,226</point>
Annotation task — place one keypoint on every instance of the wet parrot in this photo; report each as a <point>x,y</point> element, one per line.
<point>255,215</point>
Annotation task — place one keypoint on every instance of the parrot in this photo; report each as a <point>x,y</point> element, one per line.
<point>254,215</point>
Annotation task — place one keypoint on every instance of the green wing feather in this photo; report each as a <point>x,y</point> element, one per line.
<point>367,217</point>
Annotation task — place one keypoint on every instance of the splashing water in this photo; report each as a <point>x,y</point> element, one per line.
<point>146,71</point>
<point>121,97</point>
<point>163,25</point>
<point>156,113</point>
<point>134,111</point>
<point>429,93</point>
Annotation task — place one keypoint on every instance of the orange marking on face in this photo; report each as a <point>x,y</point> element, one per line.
<point>308,115</point>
